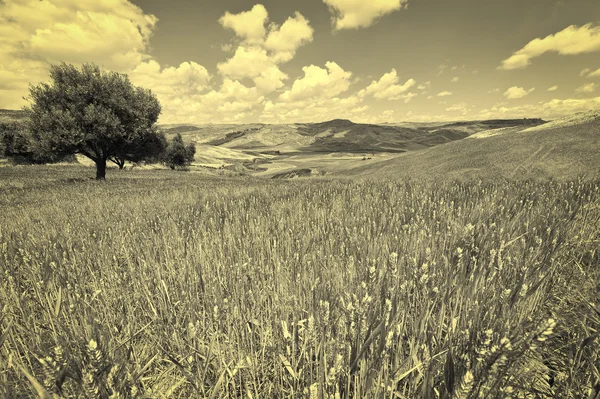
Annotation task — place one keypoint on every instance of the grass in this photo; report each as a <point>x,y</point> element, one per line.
<point>165,284</point>
<point>548,152</point>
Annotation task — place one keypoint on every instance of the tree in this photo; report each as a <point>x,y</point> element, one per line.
<point>98,114</point>
<point>16,143</point>
<point>179,154</point>
<point>150,150</point>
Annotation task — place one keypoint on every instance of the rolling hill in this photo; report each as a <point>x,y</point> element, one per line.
<point>564,148</point>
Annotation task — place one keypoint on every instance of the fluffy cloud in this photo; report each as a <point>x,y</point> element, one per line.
<point>188,79</point>
<point>570,41</point>
<point>444,94</point>
<point>553,88</point>
<point>318,82</point>
<point>353,14</point>
<point>111,33</point>
<point>517,92</point>
<point>388,88</point>
<point>584,72</point>
<point>455,79</point>
<point>260,53</point>
<point>248,25</point>
<point>586,88</point>
<point>285,40</point>
<point>316,97</point>
<point>247,62</point>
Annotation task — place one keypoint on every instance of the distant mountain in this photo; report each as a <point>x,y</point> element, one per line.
<point>564,148</point>
<point>338,135</point>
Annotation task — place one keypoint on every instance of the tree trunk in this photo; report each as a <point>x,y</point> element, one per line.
<point>101,169</point>
<point>120,162</point>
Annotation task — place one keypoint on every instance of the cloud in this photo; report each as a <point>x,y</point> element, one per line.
<point>317,108</point>
<point>260,53</point>
<point>424,86</point>
<point>248,25</point>
<point>496,90</point>
<point>586,88</point>
<point>550,109</point>
<point>247,62</point>
<point>387,87</point>
<point>461,108</point>
<point>455,79</point>
<point>318,82</point>
<point>595,74</point>
<point>353,14</point>
<point>285,40</point>
<point>570,41</point>
<point>34,34</point>
<point>444,94</point>
<point>517,92</point>
<point>553,88</point>
<point>584,72</point>
<point>188,79</point>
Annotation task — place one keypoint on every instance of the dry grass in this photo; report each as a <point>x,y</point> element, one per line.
<point>162,284</point>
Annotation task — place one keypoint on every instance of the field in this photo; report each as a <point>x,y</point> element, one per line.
<point>161,284</point>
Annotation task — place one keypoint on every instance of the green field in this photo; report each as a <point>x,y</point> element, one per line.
<point>157,284</point>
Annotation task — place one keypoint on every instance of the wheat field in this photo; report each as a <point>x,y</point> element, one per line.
<point>160,284</point>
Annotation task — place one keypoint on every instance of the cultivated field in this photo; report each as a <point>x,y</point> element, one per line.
<point>169,284</point>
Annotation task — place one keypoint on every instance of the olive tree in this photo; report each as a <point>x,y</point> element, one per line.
<point>98,114</point>
<point>178,154</point>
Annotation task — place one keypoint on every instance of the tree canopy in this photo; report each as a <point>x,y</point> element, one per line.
<point>98,114</point>
<point>178,154</point>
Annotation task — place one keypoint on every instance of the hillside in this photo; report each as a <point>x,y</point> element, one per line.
<point>10,115</point>
<point>564,148</point>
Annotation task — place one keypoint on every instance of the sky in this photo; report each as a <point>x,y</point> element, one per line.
<point>290,61</point>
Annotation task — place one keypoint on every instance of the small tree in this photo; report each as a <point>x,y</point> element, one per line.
<point>97,114</point>
<point>178,154</point>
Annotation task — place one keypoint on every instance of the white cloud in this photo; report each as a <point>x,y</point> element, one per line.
<point>496,90</point>
<point>248,25</point>
<point>360,110</point>
<point>318,82</point>
<point>461,108</point>
<point>444,94</point>
<point>353,14</point>
<point>455,79</point>
<point>570,41</point>
<point>595,74</point>
<point>387,87</point>
<point>551,109</point>
<point>584,72</point>
<point>424,86</point>
<point>247,62</point>
<point>188,79</point>
<point>408,96</point>
<point>517,92</point>
<point>285,40</point>
<point>111,33</point>
<point>553,88</point>
<point>586,88</point>
<point>259,55</point>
